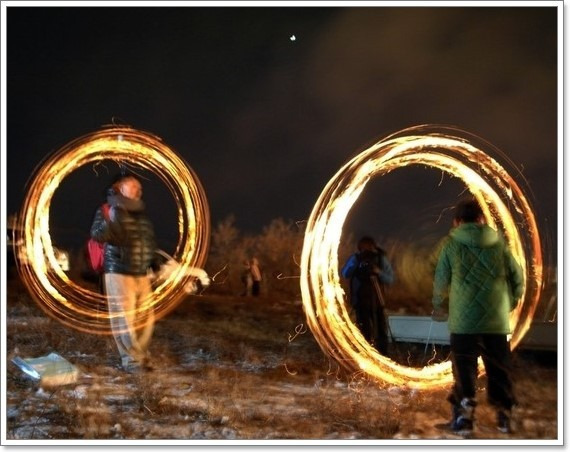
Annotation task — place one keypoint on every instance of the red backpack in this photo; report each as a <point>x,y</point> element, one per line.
<point>95,249</point>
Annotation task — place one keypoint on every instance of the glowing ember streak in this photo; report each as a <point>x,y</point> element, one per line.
<point>70,303</point>
<point>505,207</point>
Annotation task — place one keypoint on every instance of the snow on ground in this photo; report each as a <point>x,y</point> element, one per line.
<point>225,371</point>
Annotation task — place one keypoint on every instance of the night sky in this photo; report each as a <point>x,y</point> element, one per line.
<point>264,120</point>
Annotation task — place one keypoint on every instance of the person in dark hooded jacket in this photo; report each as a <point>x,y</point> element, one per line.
<point>129,252</point>
<point>369,270</point>
<point>484,284</point>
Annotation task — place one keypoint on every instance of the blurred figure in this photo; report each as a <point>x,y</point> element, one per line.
<point>484,283</point>
<point>369,270</point>
<point>246,279</point>
<point>255,277</point>
<point>130,250</point>
<point>94,251</point>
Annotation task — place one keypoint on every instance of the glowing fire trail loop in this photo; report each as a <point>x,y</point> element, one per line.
<point>62,298</point>
<point>504,204</point>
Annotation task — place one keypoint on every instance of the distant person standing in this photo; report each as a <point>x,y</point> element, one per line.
<point>369,270</point>
<point>484,283</point>
<point>256,277</point>
<point>246,279</point>
<point>129,251</point>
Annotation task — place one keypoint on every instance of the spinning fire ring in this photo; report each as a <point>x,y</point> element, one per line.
<point>505,207</point>
<point>50,286</point>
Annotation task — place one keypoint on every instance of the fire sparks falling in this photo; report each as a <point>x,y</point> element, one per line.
<point>59,296</point>
<point>504,204</point>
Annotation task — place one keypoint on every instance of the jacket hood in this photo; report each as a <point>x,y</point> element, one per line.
<point>132,205</point>
<point>477,235</point>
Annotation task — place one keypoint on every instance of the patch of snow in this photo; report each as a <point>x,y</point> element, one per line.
<point>179,392</point>
<point>81,355</point>
<point>191,360</point>
<point>12,412</point>
<point>80,392</point>
<point>30,431</point>
<point>116,398</point>
<point>228,433</point>
<point>43,394</point>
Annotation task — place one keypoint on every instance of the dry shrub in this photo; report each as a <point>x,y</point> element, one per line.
<point>344,413</point>
<point>148,394</point>
<point>278,249</point>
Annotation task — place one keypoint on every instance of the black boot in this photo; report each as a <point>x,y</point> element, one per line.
<point>504,421</point>
<point>463,415</point>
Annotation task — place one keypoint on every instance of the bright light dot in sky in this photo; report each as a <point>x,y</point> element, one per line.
<point>293,38</point>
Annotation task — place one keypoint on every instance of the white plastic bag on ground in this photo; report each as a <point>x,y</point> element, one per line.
<point>50,370</point>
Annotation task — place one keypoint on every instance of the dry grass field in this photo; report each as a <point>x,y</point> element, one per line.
<point>227,369</point>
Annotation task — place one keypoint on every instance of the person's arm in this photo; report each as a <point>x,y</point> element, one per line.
<point>386,275</point>
<point>349,267</point>
<point>107,228</point>
<point>514,278</point>
<point>441,281</point>
<point>99,228</point>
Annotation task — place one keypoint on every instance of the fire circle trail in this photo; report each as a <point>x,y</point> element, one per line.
<point>49,285</point>
<point>444,148</point>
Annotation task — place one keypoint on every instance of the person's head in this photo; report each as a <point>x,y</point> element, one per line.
<point>366,243</point>
<point>128,186</point>
<point>468,211</point>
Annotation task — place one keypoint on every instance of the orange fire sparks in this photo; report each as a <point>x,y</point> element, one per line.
<point>61,297</point>
<point>506,209</point>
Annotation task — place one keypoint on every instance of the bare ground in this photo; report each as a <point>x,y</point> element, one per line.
<point>227,369</point>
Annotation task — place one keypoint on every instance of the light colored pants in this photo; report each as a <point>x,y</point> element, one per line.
<point>132,325</point>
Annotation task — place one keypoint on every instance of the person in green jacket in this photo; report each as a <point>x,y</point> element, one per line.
<point>484,283</point>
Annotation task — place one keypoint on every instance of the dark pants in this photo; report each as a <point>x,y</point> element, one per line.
<point>255,288</point>
<point>371,320</point>
<point>495,352</point>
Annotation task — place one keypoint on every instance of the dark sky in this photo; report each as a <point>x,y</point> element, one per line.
<point>266,121</point>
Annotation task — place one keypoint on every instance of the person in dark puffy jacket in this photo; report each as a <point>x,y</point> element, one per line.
<point>484,283</point>
<point>369,270</point>
<point>129,252</point>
